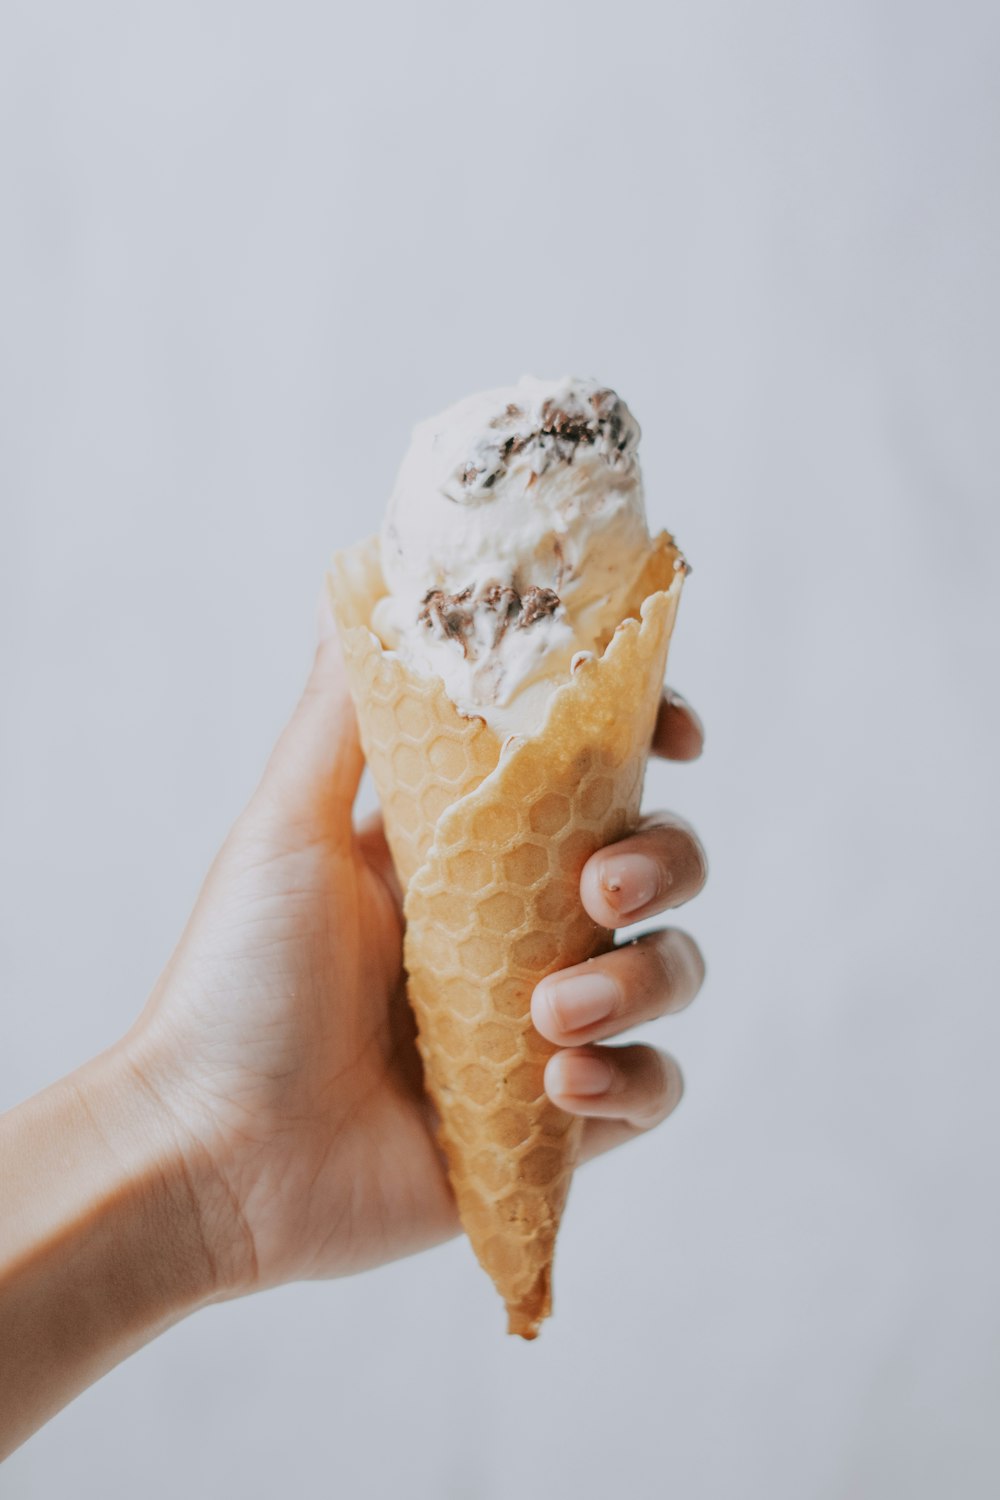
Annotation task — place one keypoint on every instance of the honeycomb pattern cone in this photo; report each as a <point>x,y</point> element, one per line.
<point>490,847</point>
<point>423,755</point>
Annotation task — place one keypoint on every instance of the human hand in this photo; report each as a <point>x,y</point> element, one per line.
<point>277,1051</point>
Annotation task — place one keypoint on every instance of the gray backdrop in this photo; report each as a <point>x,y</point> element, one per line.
<point>243,248</point>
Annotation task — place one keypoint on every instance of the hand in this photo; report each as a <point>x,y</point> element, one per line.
<point>265,1119</point>
<point>278,1047</point>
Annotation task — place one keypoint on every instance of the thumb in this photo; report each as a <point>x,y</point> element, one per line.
<point>314,771</point>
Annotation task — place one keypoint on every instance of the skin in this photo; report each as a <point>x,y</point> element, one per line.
<point>264,1121</point>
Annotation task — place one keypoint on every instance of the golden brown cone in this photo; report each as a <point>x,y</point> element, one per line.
<point>490,851</point>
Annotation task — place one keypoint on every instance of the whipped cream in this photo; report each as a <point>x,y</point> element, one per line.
<point>512,542</point>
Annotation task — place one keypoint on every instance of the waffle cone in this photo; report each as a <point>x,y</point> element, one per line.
<point>489,849</point>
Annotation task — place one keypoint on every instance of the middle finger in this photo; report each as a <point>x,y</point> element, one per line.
<point>661,865</point>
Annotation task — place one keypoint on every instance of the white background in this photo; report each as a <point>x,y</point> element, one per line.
<point>243,248</point>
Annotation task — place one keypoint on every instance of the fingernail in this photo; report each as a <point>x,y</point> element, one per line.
<point>580,999</point>
<point>629,882</point>
<point>580,1075</point>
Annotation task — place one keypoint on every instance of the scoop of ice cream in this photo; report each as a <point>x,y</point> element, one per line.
<point>513,539</point>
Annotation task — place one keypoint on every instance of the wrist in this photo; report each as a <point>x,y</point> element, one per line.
<point>102,1241</point>
<point>180,1158</point>
<point>133,1168</point>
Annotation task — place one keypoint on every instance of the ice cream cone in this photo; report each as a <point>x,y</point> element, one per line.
<point>489,842</point>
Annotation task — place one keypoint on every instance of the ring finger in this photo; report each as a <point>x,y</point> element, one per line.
<point>656,975</point>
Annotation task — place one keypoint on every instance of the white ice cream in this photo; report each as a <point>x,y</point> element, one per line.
<point>513,539</point>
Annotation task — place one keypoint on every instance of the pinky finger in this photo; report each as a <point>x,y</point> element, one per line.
<point>624,1091</point>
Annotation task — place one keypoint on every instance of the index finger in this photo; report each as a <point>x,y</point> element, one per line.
<point>679,734</point>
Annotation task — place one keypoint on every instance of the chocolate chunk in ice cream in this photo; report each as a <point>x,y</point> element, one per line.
<point>552,434</point>
<point>479,622</point>
<point>514,540</point>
